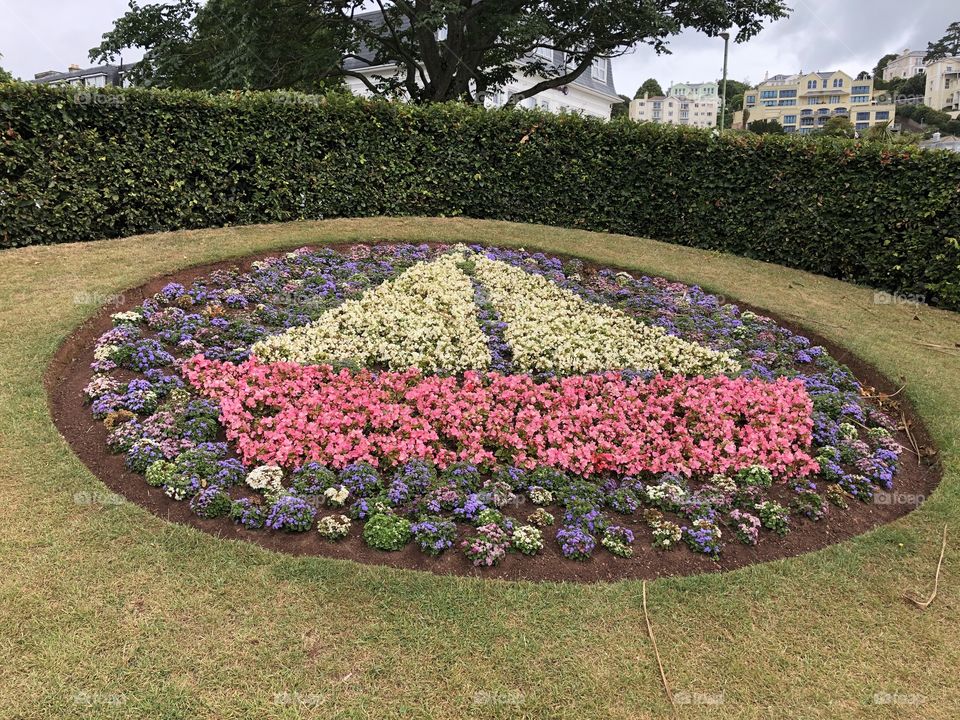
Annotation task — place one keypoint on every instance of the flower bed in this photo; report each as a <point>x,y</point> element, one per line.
<point>432,396</point>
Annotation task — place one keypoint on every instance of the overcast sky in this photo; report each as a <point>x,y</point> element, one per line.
<point>850,35</point>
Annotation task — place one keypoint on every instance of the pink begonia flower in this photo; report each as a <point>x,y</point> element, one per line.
<point>289,414</point>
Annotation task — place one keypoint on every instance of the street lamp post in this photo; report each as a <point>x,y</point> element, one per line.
<point>723,99</point>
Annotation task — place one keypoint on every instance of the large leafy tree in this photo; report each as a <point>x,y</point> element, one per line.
<point>882,64</point>
<point>620,109</point>
<point>483,39</point>
<point>649,87</point>
<point>220,44</point>
<point>440,49</point>
<point>947,46</point>
<point>766,127</point>
<point>735,92</point>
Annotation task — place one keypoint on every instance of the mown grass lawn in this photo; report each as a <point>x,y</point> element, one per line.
<point>108,611</point>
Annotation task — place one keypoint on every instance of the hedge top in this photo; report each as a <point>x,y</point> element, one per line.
<point>81,164</point>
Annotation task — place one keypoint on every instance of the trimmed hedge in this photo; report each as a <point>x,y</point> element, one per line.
<point>87,165</point>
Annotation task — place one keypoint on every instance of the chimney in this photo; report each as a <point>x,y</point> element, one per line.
<point>646,96</point>
<point>73,67</point>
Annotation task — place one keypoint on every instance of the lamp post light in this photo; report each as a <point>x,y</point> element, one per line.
<point>723,99</point>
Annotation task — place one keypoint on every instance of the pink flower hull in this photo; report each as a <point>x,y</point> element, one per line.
<point>289,414</point>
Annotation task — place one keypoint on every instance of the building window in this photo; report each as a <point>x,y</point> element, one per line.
<point>811,84</point>
<point>860,99</point>
<point>860,89</point>
<point>863,116</point>
<point>824,83</point>
<point>882,115</point>
<point>806,112</point>
<point>751,99</point>
<point>823,111</point>
<point>789,119</point>
<point>599,69</point>
<point>788,93</point>
<point>768,93</point>
<point>838,82</point>
<point>863,126</point>
<point>545,53</point>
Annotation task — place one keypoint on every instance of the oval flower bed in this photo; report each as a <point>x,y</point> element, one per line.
<point>483,401</point>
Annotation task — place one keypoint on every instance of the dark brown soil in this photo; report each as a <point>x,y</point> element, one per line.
<point>69,372</point>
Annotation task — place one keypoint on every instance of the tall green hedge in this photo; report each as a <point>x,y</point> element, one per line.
<point>85,165</point>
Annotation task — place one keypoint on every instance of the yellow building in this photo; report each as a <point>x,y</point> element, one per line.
<point>803,103</point>
<point>943,85</point>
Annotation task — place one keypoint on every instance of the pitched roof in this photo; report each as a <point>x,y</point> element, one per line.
<point>112,72</point>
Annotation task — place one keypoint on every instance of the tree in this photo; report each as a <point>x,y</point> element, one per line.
<point>880,132</point>
<point>914,85</point>
<point>236,44</point>
<point>839,126</point>
<point>882,64</point>
<point>620,109</point>
<point>735,93</point>
<point>947,46</point>
<point>863,75</point>
<point>484,39</point>
<point>436,50</point>
<point>650,87</point>
<point>765,127</point>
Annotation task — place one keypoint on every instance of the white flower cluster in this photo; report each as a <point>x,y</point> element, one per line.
<point>126,318</point>
<point>553,329</point>
<point>267,479</point>
<point>104,352</point>
<point>527,539</point>
<point>336,496</point>
<point>666,493</point>
<point>424,318</point>
<point>666,534</point>
<point>539,495</point>
<point>334,527</point>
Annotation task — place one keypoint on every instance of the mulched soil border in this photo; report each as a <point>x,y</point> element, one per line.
<point>69,372</point>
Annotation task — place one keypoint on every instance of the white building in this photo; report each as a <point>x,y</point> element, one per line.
<point>696,91</point>
<point>591,94</point>
<point>906,65</point>
<point>943,85</point>
<point>673,110</point>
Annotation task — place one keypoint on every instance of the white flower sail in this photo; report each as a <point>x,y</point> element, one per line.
<point>551,328</point>
<point>426,318</point>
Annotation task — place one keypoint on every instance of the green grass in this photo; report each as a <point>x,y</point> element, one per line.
<point>111,612</point>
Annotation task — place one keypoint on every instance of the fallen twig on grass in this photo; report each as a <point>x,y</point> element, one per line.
<point>653,641</point>
<point>884,396</point>
<point>924,604</point>
<point>939,348</point>
<point>906,428</point>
